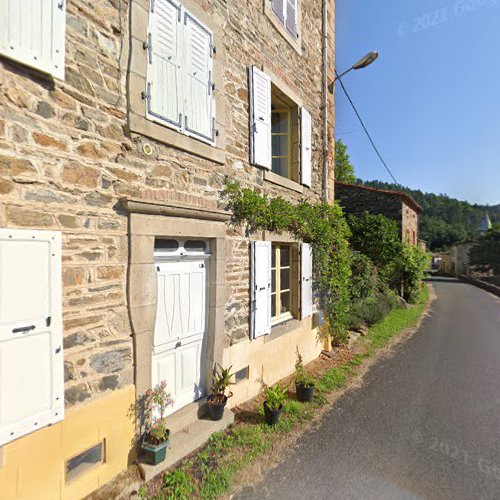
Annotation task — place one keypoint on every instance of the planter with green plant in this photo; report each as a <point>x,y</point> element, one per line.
<point>273,405</point>
<point>218,398</point>
<point>304,383</point>
<point>156,438</point>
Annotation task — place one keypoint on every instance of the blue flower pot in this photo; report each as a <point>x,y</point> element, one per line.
<point>153,454</point>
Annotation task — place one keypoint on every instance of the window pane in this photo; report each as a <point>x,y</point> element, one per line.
<point>273,280</point>
<point>285,302</point>
<point>273,306</point>
<point>279,123</point>
<point>280,166</point>
<point>285,279</point>
<point>167,245</point>
<point>195,246</point>
<point>273,255</point>
<point>279,145</point>
<point>285,256</point>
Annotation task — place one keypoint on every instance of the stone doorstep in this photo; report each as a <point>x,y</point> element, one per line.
<point>186,440</point>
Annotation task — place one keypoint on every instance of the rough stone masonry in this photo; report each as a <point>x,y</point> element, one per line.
<point>67,157</point>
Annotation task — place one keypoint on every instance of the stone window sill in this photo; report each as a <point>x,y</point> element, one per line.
<point>283,181</point>
<point>283,328</point>
<point>142,126</point>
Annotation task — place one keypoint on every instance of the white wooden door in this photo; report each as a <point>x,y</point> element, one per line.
<point>179,342</point>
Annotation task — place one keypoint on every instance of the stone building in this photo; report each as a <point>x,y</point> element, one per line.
<point>459,257</point>
<point>119,121</point>
<point>356,199</point>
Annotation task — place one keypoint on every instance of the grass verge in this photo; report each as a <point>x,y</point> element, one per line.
<point>210,472</point>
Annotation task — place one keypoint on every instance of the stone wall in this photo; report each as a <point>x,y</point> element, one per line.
<point>356,200</point>
<point>66,159</point>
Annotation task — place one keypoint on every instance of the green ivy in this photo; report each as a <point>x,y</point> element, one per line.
<point>321,224</point>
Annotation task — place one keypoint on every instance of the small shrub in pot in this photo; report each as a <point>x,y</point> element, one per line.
<point>218,398</point>
<point>273,405</point>
<point>304,384</point>
<point>156,438</point>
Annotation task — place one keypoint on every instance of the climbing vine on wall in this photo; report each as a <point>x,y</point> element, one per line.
<point>321,224</point>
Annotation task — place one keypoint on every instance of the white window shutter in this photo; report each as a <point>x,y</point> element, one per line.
<point>291,16</point>
<point>278,7</point>
<point>306,295</point>
<point>163,76</point>
<point>199,102</point>
<point>31,356</point>
<point>261,288</point>
<point>260,112</point>
<point>32,32</point>
<point>306,147</point>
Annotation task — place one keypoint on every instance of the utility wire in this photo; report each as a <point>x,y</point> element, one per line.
<point>365,129</point>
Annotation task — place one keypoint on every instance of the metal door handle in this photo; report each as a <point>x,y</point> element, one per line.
<point>23,329</point>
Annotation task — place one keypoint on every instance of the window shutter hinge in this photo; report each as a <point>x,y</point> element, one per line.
<point>152,5</point>
<point>213,50</point>
<point>58,350</point>
<point>215,131</point>
<point>60,4</point>
<point>146,94</point>
<point>48,320</point>
<point>148,45</point>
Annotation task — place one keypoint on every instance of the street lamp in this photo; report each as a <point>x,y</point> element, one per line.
<point>362,63</point>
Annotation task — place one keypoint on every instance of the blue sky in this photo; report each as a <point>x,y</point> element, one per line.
<point>432,99</point>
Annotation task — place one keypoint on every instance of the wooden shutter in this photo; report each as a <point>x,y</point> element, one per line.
<point>31,356</point>
<point>278,9</point>
<point>32,32</point>
<point>305,147</point>
<point>163,76</point>
<point>198,79</point>
<point>261,288</point>
<point>291,16</point>
<point>306,295</point>
<point>260,112</point>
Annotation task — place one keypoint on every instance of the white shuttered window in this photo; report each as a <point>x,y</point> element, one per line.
<point>306,293</point>
<point>286,10</point>
<point>261,288</point>
<point>32,32</point>
<point>31,356</point>
<point>305,147</point>
<point>180,88</point>
<point>260,112</point>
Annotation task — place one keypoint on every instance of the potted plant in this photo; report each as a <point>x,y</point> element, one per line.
<point>155,440</point>
<point>218,398</point>
<point>273,405</point>
<point>304,384</point>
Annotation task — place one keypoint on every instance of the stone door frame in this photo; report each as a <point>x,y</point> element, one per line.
<point>153,220</point>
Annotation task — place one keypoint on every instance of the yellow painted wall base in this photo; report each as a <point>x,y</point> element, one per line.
<point>33,467</point>
<point>270,361</point>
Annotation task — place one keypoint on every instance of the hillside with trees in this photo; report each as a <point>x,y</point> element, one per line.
<point>444,220</point>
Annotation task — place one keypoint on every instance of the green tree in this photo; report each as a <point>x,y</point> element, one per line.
<point>344,170</point>
<point>486,254</point>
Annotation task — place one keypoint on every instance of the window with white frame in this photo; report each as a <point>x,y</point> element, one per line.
<point>281,131</point>
<point>32,32</point>
<point>179,77</point>
<point>281,284</point>
<point>286,11</point>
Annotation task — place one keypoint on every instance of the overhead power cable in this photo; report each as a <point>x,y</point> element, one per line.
<point>365,129</point>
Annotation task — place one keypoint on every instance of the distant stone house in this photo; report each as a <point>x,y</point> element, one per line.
<point>119,121</point>
<point>356,199</point>
<point>459,257</point>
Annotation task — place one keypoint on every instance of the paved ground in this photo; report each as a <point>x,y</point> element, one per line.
<point>426,423</point>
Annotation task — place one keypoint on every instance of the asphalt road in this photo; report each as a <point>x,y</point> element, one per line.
<point>425,424</point>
